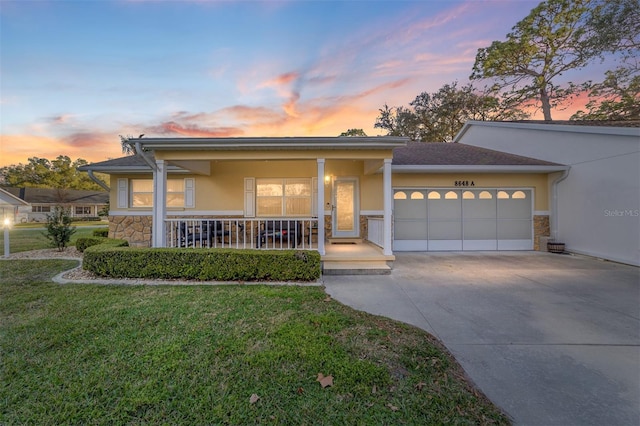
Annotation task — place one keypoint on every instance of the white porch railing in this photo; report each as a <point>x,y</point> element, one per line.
<point>375,227</point>
<point>239,233</point>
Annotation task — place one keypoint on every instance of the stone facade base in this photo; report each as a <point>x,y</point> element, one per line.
<point>541,232</point>
<point>135,229</point>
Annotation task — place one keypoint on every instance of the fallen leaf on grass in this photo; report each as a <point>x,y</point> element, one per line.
<point>327,299</point>
<point>392,407</point>
<point>254,398</point>
<point>420,385</point>
<point>374,389</point>
<point>300,390</point>
<point>325,381</point>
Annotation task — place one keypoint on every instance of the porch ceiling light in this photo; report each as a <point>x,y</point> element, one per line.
<point>327,179</point>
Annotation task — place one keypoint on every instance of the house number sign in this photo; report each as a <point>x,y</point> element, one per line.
<point>464,183</point>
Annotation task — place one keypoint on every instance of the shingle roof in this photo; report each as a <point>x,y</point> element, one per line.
<point>53,196</point>
<point>456,154</point>
<point>128,161</point>
<point>599,123</point>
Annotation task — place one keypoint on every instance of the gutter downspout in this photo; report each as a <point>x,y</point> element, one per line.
<point>98,181</point>
<point>144,156</point>
<point>554,203</point>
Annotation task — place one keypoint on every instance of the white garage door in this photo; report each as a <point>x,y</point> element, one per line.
<point>463,219</point>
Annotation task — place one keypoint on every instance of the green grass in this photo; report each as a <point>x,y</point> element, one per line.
<point>25,239</point>
<point>88,354</point>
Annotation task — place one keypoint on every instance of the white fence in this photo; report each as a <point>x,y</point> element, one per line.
<point>239,233</point>
<point>375,226</point>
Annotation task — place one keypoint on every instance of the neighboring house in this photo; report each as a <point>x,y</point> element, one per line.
<point>328,194</point>
<point>42,201</point>
<point>9,206</point>
<point>597,201</point>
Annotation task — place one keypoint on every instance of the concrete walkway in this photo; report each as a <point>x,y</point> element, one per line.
<point>551,339</point>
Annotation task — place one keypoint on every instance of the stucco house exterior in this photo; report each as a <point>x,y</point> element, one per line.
<point>39,202</point>
<point>330,194</point>
<point>595,203</point>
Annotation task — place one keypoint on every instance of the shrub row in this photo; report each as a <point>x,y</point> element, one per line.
<point>202,264</point>
<point>86,219</point>
<point>83,243</point>
<point>101,232</point>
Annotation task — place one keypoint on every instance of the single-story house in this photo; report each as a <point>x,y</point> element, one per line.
<point>9,206</point>
<point>596,201</point>
<point>41,201</point>
<point>330,194</point>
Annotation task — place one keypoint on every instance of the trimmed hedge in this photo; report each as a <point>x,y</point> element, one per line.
<point>101,232</point>
<point>83,243</point>
<point>202,264</point>
<point>86,219</point>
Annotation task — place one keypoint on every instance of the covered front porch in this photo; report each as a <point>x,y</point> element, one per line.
<point>342,256</point>
<point>276,193</point>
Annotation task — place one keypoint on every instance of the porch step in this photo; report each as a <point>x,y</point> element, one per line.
<point>356,268</point>
<point>336,240</point>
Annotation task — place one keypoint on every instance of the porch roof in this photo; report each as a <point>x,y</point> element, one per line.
<point>269,143</point>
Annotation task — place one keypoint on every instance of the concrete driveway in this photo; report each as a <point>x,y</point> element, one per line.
<point>551,339</point>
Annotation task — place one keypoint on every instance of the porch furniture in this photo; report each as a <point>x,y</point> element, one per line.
<point>217,230</point>
<point>204,233</point>
<point>189,235</point>
<point>280,232</point>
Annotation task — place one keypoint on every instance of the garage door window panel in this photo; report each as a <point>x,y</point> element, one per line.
<point>410,213</point>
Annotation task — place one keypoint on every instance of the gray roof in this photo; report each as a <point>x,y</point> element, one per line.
<point>456,154</point>
<point>55,196</point>
<point>418,154</point>
<point>598,123</point>
<point>128,164</point>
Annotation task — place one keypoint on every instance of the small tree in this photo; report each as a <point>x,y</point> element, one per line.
<point>59,229</point>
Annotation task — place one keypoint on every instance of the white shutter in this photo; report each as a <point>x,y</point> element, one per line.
<point>189,193</point>
<point>250,197</point>
<point>123,193</point>
<point>314,196</point>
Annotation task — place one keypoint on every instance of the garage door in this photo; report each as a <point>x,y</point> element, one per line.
<point>463,219</point>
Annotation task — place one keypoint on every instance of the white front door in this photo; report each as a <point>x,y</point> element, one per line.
<point>346,211</point>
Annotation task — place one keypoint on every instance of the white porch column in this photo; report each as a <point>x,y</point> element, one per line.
<point>159,235</point>
<point>388,202</point>
<point>321,206</point>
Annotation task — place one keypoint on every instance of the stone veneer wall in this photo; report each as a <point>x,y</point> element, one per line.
<point>135,229</point>
<point>541,228</point>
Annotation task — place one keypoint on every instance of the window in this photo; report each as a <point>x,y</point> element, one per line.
<point>417,195</point>
<point>451,195</point>
<point>468,195</point>
<point>40,209</point>
<point>283,197</point>
<point>434,195</point>
<point>400,195</point>
<point>142,193</point>
<point>83,210</point>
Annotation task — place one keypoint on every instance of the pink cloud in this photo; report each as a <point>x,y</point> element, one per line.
<point>281,80</point>
<point>193,130</point>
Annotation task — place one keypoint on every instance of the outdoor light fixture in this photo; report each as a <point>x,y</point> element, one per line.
<point>327,179</point>
<point>6,224</point>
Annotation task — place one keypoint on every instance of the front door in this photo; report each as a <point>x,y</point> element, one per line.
<point>346,212</point>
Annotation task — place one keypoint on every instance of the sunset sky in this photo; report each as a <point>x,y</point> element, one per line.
<point>76,74</point>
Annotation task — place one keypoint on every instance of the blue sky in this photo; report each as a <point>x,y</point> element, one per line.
<point>76,74</point>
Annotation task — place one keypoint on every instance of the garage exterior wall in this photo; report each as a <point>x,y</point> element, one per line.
<point>598,204</point>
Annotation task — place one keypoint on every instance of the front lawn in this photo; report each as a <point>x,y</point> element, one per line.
<point>23,238</point>
<point>89,354</point>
